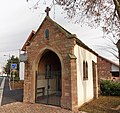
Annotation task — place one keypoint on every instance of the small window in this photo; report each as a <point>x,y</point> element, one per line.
<point>47,34</point>
<point>85,70</point>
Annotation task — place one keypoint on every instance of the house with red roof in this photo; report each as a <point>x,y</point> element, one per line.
<point>107,69</point>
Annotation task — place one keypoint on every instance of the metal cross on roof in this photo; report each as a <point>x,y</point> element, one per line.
<point>47,11</point>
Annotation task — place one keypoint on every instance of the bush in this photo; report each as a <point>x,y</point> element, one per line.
<point>16,78</point>
<point>111,88</point>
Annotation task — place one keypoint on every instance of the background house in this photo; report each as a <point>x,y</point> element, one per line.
<point>107,69</point>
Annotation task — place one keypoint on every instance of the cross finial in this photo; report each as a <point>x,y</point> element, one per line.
<point>47,11</point>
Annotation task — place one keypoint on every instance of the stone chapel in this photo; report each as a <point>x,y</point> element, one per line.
<point>60,69</point>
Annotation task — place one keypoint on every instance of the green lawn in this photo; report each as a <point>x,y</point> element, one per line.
<point>104,104</point>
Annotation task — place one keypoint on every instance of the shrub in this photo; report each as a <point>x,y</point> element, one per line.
<point>16,78</point>
<point>108,87</point>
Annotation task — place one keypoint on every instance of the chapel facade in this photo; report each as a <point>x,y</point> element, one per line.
<point>60,69</point>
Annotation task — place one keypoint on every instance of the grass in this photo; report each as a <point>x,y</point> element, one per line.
<point>104,104</point>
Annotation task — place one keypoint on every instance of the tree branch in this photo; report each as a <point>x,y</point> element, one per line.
<point>117,7</point>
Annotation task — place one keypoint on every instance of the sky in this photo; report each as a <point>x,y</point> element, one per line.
<point>17,20</point>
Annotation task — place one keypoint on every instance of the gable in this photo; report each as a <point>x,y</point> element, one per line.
<point>54,25</point>
<point>46,20</point>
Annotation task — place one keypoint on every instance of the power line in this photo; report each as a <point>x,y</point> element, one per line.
<point>42,14</point>
<point>44,2</point>
<point>9,50</point>
<point>53,5</point>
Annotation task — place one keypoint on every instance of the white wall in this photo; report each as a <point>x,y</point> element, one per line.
<point>84,87</point>
<point>21,70</point>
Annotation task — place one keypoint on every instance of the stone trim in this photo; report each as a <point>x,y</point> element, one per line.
<point>74,96</point>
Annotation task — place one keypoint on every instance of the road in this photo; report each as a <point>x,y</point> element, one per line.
<point>10,96</point>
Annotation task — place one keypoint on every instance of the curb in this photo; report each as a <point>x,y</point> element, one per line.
<point>1,90</point>
<point>9,85</point>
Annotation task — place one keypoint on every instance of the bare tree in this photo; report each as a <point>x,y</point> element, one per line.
<point>104,13</point>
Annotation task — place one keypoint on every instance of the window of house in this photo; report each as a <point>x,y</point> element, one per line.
<point>85,70</point>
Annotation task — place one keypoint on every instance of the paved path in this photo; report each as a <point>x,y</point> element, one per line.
<point>10,96</point>
<point>32,108</point>
<point>12,103</point>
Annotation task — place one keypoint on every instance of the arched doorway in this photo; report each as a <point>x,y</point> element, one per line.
<point>48,79</point>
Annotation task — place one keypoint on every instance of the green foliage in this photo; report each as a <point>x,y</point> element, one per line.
<point>108,87</point>
<point>16,78</point>
<point>15,74</point>
<point>12,59</point>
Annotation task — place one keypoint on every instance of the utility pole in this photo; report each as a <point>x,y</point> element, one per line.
<point>10,63</point>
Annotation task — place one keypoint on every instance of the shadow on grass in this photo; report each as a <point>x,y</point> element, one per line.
<point>104,104</point>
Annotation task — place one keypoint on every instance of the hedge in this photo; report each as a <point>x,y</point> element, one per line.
<point>111,88</point>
